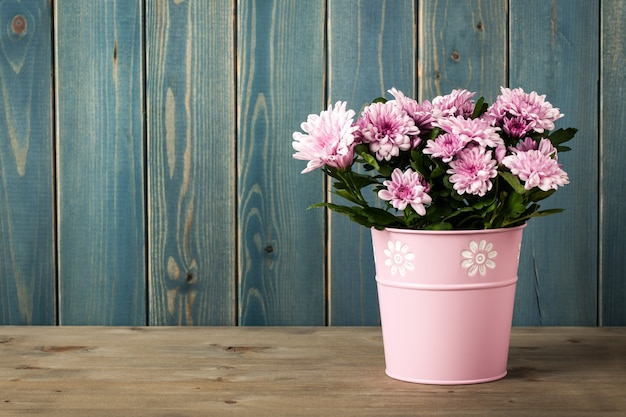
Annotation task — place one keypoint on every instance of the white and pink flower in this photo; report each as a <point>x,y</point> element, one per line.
<point>458,103</point>
<point>388,129</point>
<point>446,146</point>
<point>406,188</point>
<point>521,112</point>
<point>330,139</point>
<point>445,164</point>
<point>422,114</point>
<point>472,130</point>
<point>536,169</point>
<point>472,171</point>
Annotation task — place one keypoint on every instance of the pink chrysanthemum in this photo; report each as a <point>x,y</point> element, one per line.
<point>457,103</point>
<point>528,144</point>
<point>406,188</point>
<point>500,153</point>
<point>387,129</point>
<point>472,171</point>
<point>422,114</point>
<point>536,169</point>
<point>472,130</point>
<point>515,127</point>
<point>544,147</point>
<point>522,112</point>
<point>445,146</point>
<point>330,139</point>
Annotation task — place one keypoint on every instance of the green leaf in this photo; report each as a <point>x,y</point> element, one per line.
<point>352,212</point>
<point>538,194</point>
<point>479,108</point>
<point>361,180</point>
<point>492,206</point>
<point>547,212</point>
<point>348,196</point>
<point>561,136</point>
<point>520,220</point>
<point>365,216</point>
<point>434,133</point>
<point>438,171</point>
<point>369,159</point>
<point>457,212</point>
<point>379,216</point>
<point>439,226</point>
<point>480,204</point>
<point>515,205</point>
<point>417,163</point>
<point>513,182</point>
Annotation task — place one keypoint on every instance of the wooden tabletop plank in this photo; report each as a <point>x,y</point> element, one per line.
<point>302,371</point>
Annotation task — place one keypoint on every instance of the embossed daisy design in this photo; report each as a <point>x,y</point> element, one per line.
<point>399,259</point>
<point>478,258</point>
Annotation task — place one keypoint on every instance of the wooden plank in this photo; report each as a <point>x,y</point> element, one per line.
<point>612,149</point>
<point>104,371</point>
<point>554,51</point>
<point>27,269</point>
<point>281,245</point>
<point>191,160</point>
<point>100,154</point>
<point>372,48</point>
<point>462,45</point>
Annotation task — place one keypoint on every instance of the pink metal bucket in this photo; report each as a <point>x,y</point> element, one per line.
<point>446,302</point>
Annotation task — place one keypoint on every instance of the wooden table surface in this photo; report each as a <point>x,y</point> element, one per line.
<point>287,371</point>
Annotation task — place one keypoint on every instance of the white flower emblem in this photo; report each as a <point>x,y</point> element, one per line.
<point>399,258</point>
<point>479,257</point>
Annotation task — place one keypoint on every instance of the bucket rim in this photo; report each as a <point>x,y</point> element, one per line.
<point>449,232</point>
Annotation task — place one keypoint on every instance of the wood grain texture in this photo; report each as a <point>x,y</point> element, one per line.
<point>27,268</point>
<point>371,48</point>
<point>462,45</point>
<point>554,51</point>
<point>280,57</point>
<point>177,198</point>
<point>100,162</point>
<point>191,161</point>
<point>612,150</point>
<point>228,371</point>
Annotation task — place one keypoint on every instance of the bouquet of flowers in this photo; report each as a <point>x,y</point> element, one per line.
<point>449,163</point>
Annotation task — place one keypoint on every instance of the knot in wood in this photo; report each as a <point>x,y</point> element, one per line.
<point>18,25</point>
<point>455,56</point>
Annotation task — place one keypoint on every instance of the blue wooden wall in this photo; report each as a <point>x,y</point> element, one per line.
<point>146,174</point>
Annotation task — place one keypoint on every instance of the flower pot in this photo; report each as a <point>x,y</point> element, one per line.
<point>446,302</point>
